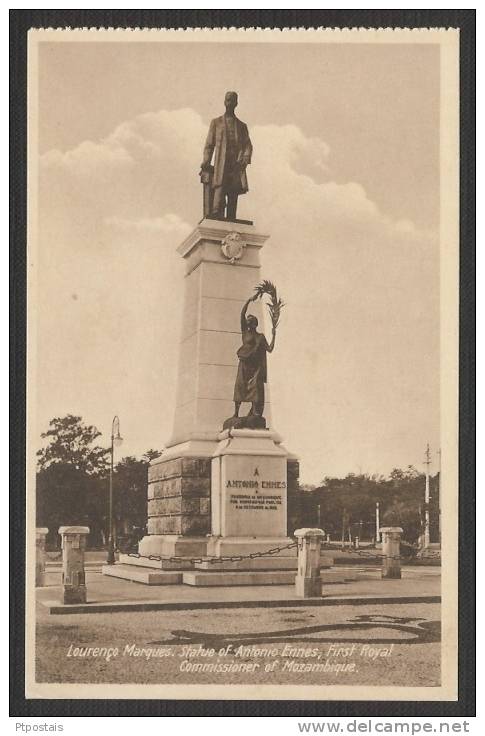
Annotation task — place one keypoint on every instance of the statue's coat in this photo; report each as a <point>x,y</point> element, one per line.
<point>216,140</point>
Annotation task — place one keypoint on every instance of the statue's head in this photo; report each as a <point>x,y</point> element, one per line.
<point>251,321</point>
<point>230,101</point>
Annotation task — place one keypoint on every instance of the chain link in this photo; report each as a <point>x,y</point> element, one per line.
<point>367,554</point>
<point>179,559</point>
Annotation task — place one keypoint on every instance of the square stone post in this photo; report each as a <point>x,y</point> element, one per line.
<point>40,535</point>
<point>391,550</point>
<point>308,583</point>
<point>73,577</point>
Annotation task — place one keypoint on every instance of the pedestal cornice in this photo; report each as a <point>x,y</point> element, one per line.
<point>216,230</point>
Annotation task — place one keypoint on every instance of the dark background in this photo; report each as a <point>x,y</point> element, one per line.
<point>20,22</point>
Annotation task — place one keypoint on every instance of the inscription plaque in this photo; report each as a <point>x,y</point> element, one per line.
<point>253,496</point>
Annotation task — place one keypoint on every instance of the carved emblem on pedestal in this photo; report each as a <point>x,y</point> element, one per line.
<point>233,246</point>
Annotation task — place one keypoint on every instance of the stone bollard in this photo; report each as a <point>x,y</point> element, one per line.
<point>40,535</point>
<point>308,583</point>
<point>391,548</point>
<point>73,577</point>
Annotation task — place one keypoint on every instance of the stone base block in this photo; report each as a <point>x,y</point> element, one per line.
<point>334,576</point>
<point>308,587</point>
<point>39,577</point>
<point>213,579</point>
<point>223,546</point>
<point>138,574</point>
<point>391,573</point>
<point>258,563</point>
<point>154,564</point>
<point>74,595</point>
<point>179,495</point>
<point>167,545</point>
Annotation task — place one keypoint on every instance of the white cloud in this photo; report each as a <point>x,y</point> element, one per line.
<point>162,135</point>
<point>89,157</point>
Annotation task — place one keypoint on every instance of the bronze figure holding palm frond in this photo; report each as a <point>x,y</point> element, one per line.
<point>252,368</point>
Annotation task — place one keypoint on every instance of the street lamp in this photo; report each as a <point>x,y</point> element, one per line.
<point>116,439</point>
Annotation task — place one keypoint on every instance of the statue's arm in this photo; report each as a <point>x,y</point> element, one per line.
<point>245,309</point>
<point>243,315</point>
<point>209,145</point>
<point>248,149</point>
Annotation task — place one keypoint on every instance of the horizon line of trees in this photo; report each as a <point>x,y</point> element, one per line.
<point>73,477</point>
<point>346,507</point>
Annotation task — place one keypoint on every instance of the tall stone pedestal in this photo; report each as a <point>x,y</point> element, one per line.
<point>215,492</point>
<point>222,268</point>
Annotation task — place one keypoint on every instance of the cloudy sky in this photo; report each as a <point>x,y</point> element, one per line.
<point>345,179</point>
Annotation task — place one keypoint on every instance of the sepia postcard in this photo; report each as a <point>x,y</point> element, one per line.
<point>242,436</point>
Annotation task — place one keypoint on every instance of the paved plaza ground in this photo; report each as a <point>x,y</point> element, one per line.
<point>115,594</point>
<point>250,636</point>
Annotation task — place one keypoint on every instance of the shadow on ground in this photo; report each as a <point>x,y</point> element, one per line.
<point>419,630</point>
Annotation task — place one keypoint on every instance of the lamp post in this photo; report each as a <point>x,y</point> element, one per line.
<point>427,497</point>
<point>116,439</point>
<point>439,495</point>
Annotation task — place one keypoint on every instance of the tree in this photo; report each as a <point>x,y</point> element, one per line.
<point>72,482</point>
<point>150,455</point>
<point>70,466</point>
<point>405,514</point>
<point>350,502</point>
<point>71,443</point>
<point>130,497</point>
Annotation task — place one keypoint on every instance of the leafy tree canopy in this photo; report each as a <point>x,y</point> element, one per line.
<point>71,442</point>
<point>340,503</point>
<point>150,455</point>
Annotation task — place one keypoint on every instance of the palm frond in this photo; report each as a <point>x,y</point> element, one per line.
<point>276,304</point>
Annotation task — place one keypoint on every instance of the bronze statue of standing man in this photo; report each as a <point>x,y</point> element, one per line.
<point>228,139</point>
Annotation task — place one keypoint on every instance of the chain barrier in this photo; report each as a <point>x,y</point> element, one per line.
<point>376,553</point>
<point>179,559</point>
<point>365,554</point>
